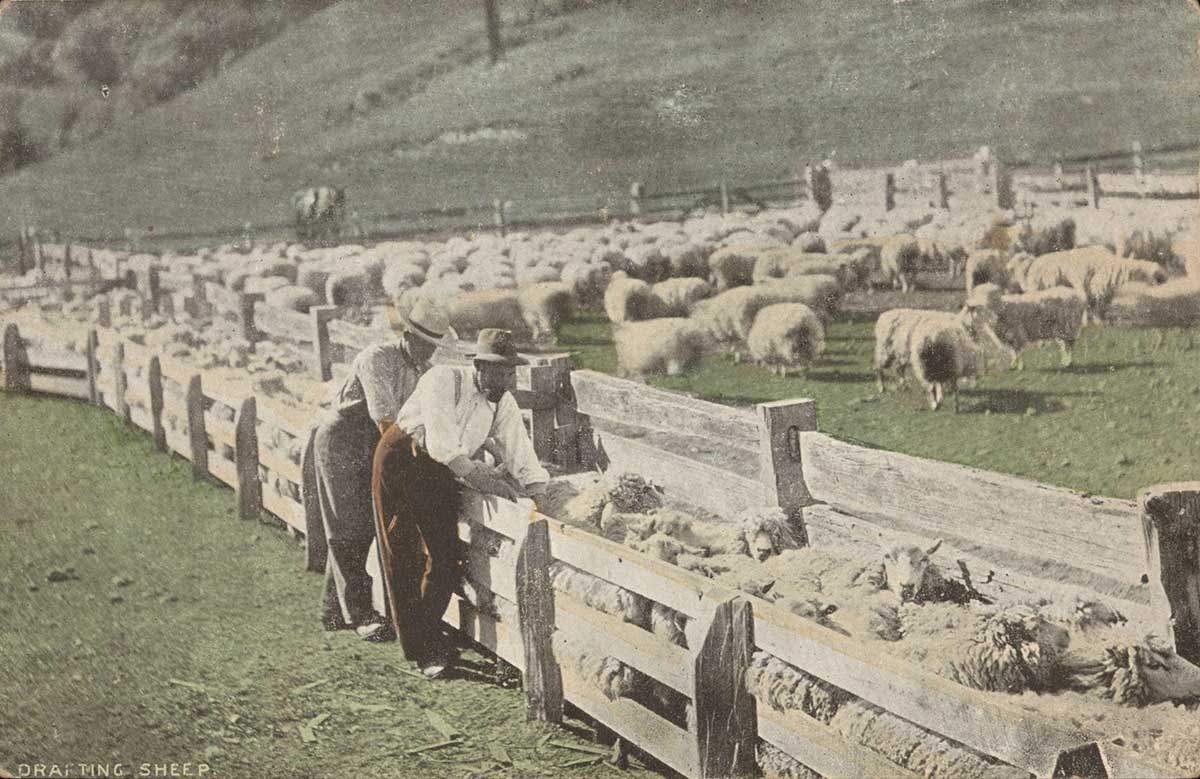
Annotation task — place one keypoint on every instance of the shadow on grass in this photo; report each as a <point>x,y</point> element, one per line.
<point>1015,401</point>
<point>840,377</point>
<point>1101,368</point>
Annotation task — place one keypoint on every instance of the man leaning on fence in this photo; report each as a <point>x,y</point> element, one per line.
<point>381,379</point>
<point>438,440</point>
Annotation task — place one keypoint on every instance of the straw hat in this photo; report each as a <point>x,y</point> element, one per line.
<point>426,320</point>
<point>495,345</point>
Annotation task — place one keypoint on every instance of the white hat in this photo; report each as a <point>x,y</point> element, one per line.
<point>427,320</point>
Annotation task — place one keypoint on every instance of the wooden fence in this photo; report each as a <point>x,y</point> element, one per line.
<point>1081,180</point>
<point>775,455</point>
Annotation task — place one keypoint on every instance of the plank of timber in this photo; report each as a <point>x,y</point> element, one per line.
<point>599,394</point>
<point>287,418</point>
<point>51,358</point>
<point>354,337</point>
<point>726,724</point>
<point>137,357</point>
<point>223,392</point>
<point>710,488</point>
<point>285,508</point>
<point>219,430</point>
<point>1124,763</point>
<point>818,747</point>
<point>282,324</point>
<point>179,372</point>
<point>641,649</point>
<point>493,634</point>
<point>223,469</point>
<point>1095,535</point>
<point>59,385</point>
<point>636,724</point>
<point>659,581</point>
<point>279,464</point>
<point>490,572</point>
<point>1171,532</point>
<point>983,721</point>
<point>179,443</point>
<point>535,616</point>
<point>498,515</point>
<point>141,416</point>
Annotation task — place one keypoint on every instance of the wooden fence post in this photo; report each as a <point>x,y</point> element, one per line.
<point>1139,166</point>
<point>1085,762</point>
<point>1058,175</point>
<point>535,612</point>
<point>21,250</point>
<point>39,256</point>
<point>726,715</point>
<point>636,192</point>
<point>154,287</point>
<point>943,188</point>
<point>316,546</point>
<point>166,307</point>
<point>16,360</point>
<point>197,430</point>
<point>155,385</point>
<point>724,197</point>
<point>1002,185</point>
<point>103,311</point>
<point>119,381</point>
<point>92,367</point>
<point>541,382</point>
<point>246,303</point>
<point>199,309</point>
<point>820,186</point>
<point>780,425</point>
<point>1093,187</point>
<point>245,456</point>
<point>1171,531</point>
<point>498,216</point>
<point>322,365</point>
<point>889,191</point>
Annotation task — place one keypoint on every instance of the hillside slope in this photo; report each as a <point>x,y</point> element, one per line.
<point>363,93</point>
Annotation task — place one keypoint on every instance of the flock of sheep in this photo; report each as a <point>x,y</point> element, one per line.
<point>1073,653</point>
<point>764,286</point>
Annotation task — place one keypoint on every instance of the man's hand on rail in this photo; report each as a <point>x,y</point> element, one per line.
<point>489,481</point>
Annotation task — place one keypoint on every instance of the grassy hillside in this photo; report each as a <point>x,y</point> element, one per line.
<point>669,93</point>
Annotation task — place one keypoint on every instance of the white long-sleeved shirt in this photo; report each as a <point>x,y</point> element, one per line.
<point>383,376</point>
<point>451,418</point>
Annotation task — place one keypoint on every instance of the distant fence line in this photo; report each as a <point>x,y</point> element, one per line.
<point>1004,183</point>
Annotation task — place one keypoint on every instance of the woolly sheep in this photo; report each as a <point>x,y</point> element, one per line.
<point>1044,239</point>
<point>786,336</point>
<point>1094,270</point>
<point>777,764</point>
<point>292,298</point>
<point>545,306</point>
<point>398,277</point>
<point>471,312</point>
<point>607,674</point>
<point>1135,674</point>
<point>646,262</point>
<point>810,243</point>
<point>629,300</point>
<point>899,260</point>
<point>728,317</point>
<point>987,266</point>
<point>536,274</point>
<point>1054,314</point>
<point>849,270</point>
<point>935,345</point>
<point>1174,304</point>
<point>688,259</point>
<point>263,284</point>
<point>588,281</point>
<point>600,594</point>
<point>733,266</point>
<point>313,277</point>
<point>1012,649</point>
<point>676,297</point>
<point>757,532</point>
<point>656,346</point>
<point>349,287</point>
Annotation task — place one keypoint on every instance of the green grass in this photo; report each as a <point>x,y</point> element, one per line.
<point>211,601</point>
<point>1125,416</point>
<point>675,95</point>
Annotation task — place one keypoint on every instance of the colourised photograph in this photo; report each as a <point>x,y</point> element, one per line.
<point>679,389</point>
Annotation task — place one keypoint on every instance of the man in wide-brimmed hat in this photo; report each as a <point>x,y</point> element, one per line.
<point>381,379</point>
<point>420,464</point>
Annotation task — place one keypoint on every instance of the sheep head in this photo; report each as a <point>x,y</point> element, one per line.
<point>905,568</point>
<point>1141,674</point>
<point>765,533</point>
<point>633,494</point>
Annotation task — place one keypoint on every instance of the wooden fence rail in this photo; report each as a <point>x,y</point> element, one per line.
<point>242,433</point>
